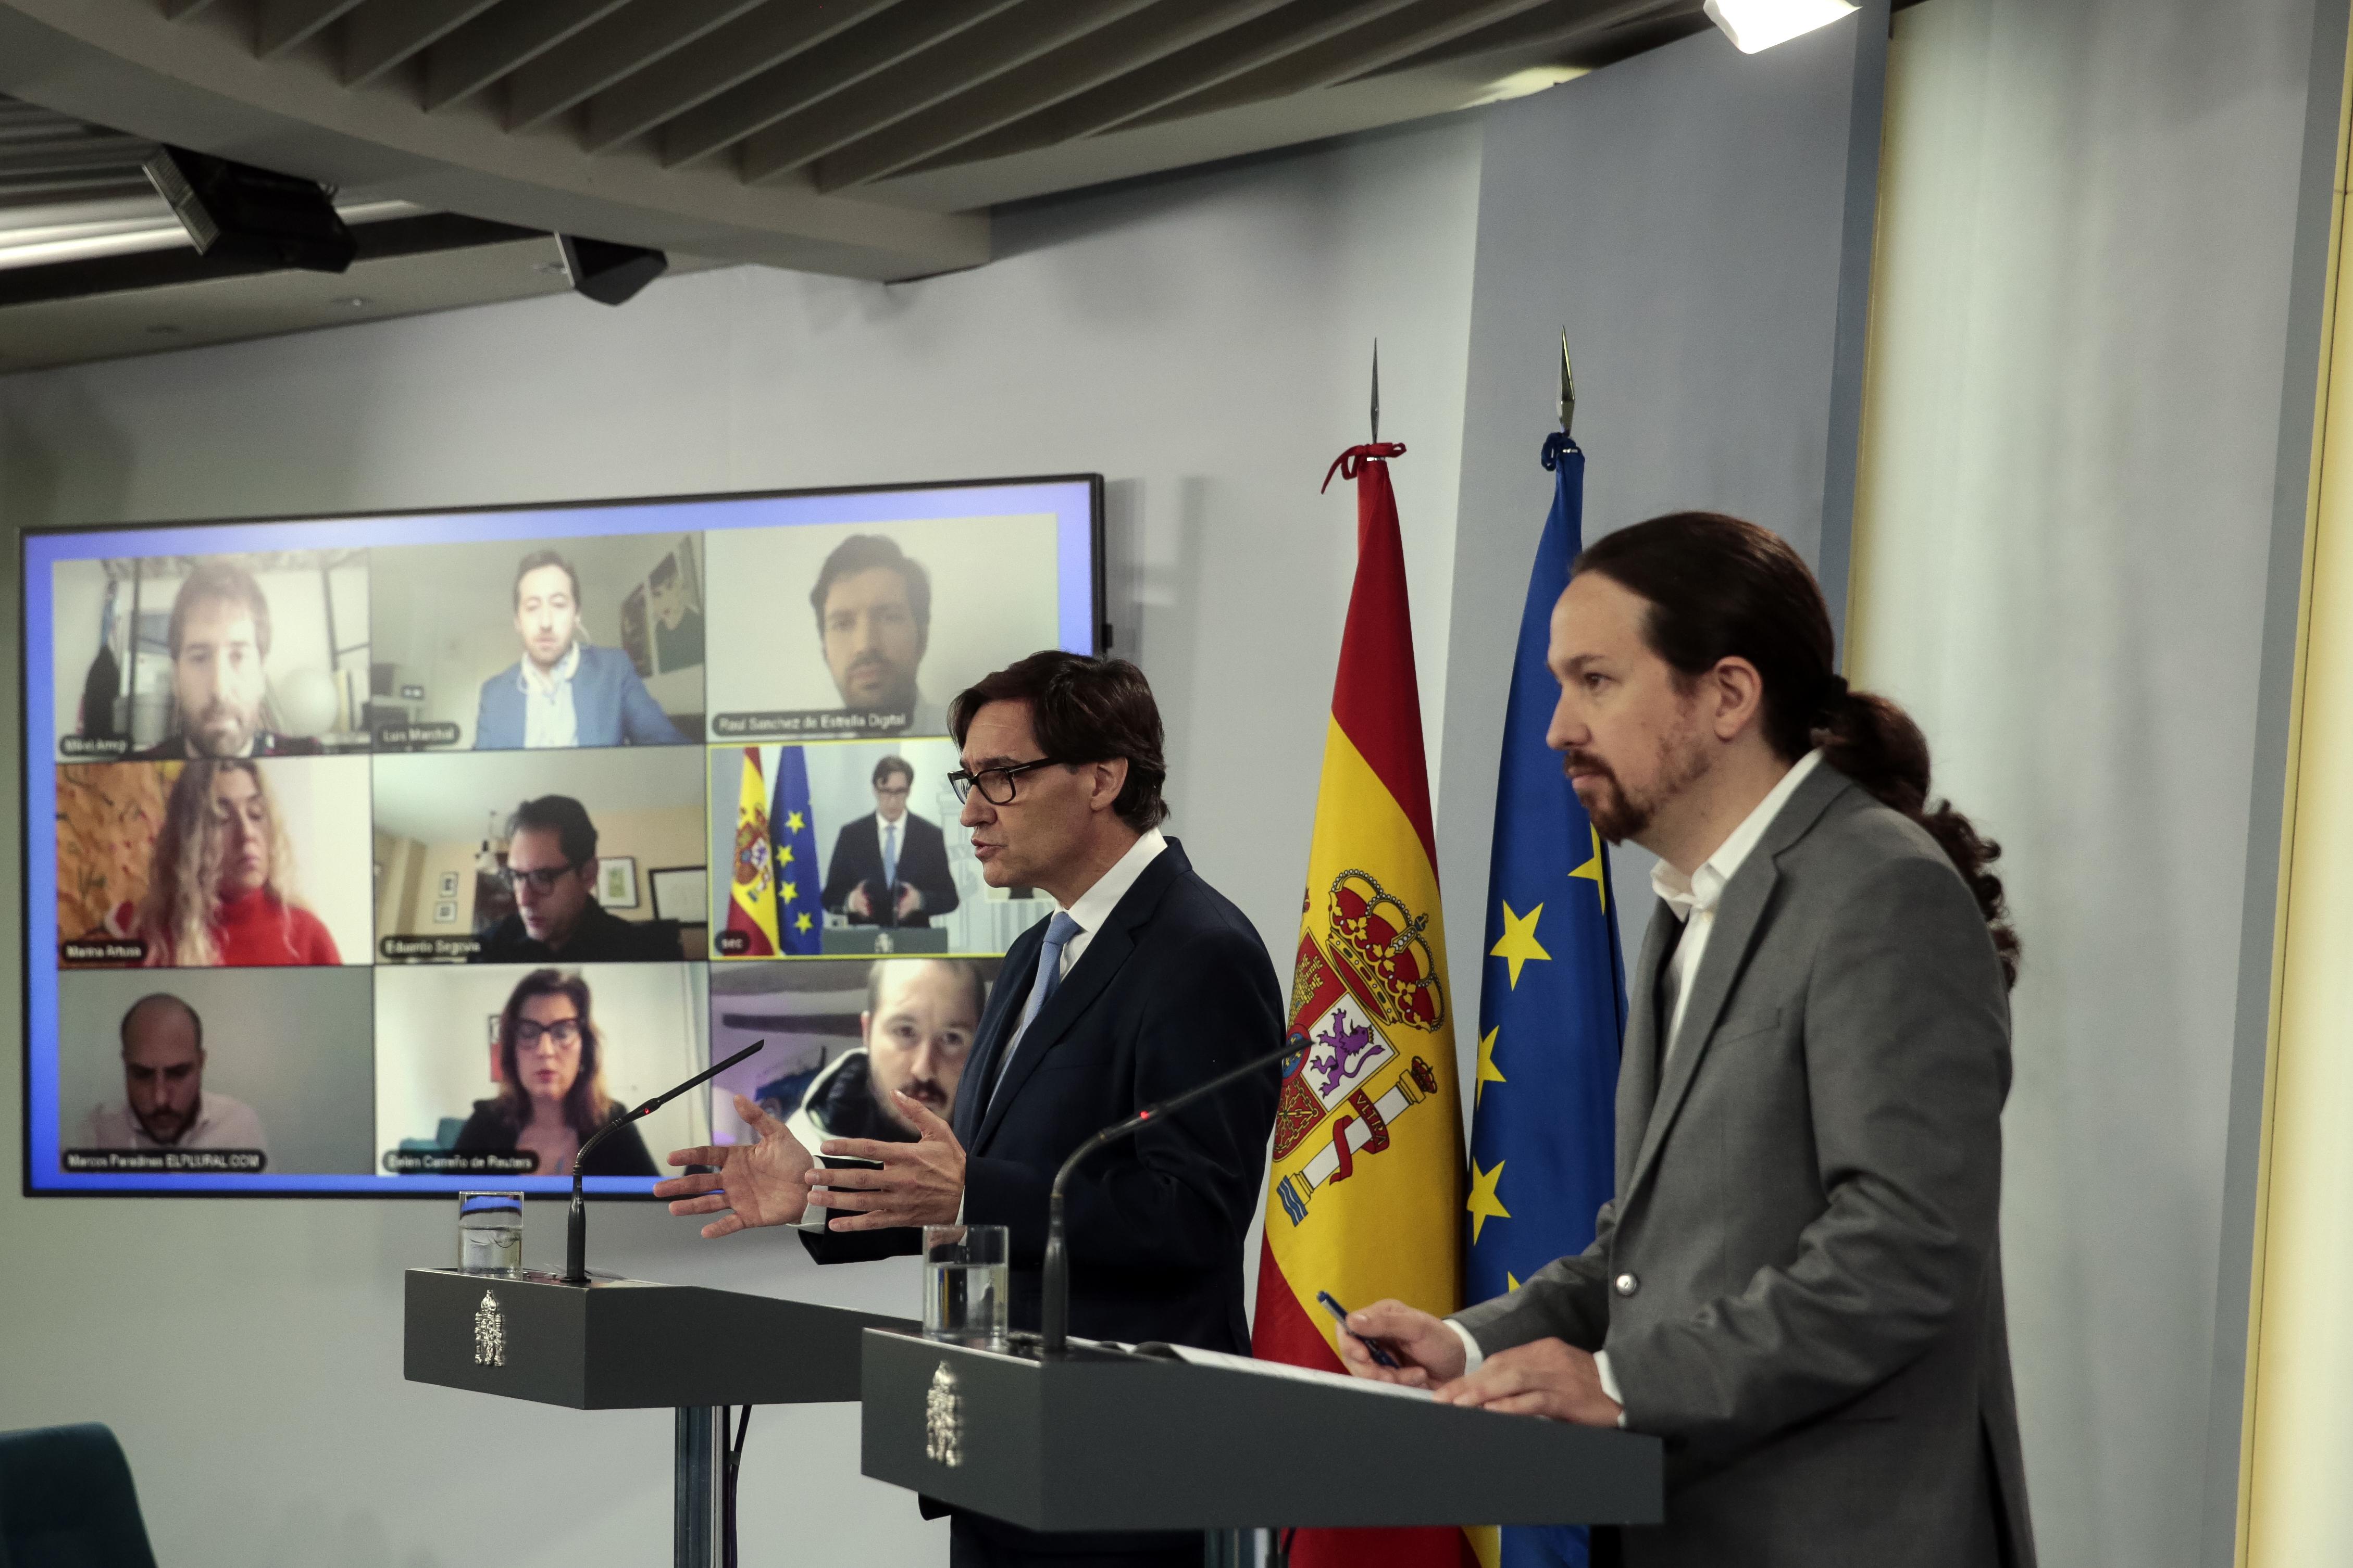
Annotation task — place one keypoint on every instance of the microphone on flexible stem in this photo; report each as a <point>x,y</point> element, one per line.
<point>575,1224</point>
<point>1057,1284</point>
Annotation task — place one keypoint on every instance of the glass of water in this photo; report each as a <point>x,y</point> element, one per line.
<point>966,1274</point>
<point>490,1233</point>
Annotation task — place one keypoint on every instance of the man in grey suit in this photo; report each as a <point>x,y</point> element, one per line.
<point>1797,1283</point>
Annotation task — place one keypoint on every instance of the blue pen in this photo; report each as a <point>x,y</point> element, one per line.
<point>1380,1352</point>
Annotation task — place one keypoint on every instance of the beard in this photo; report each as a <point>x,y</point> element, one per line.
<point>892,685</point>
<point>221,731</point>
<point>1619,814</point>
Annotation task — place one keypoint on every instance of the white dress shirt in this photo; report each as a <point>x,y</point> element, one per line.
<point>548,719</point>
<point>221,1123</point>
<point>1089,910</point>
<point>1692,901</point>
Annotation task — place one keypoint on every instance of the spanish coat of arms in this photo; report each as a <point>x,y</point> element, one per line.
<point>490,1333</point>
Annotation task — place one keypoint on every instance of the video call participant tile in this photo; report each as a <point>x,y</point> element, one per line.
<point>848,629</point>
<point>842,1035</point>
<point>505,1070</point>
<point>210,656</point>
<point>211,1073</point>
<point>234,863</point>
<point>864,851</point>
<point>523,858</point>
<point>538,645</point>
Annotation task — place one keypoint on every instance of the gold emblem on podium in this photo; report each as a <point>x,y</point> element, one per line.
<point>490,1333</point>
<point>943,1419</point>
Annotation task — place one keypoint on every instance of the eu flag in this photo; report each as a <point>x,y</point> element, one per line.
<point>1552,1000</point>
<point>800,917</point>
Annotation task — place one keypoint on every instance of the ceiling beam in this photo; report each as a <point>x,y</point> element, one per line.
<point>1123,47</point>
<point>587,64</point>
<point>712,63</point>
<point>279,24</point>
<point>509,37</point>
<point>1397,36</point>
<point>181,10</point>
<point>1558,24</point>
<point>1301,25</point>
<point>940,73</point>
<point>388,32</point>
<point>842,63</point>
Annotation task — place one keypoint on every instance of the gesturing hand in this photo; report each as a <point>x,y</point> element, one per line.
<point>919,1182</point>
<point>1543,1377</point>
<point>1430,1350</point>
<point>757,1183</point>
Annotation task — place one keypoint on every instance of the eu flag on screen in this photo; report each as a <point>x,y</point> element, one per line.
<point>1552,998</point>
<point>800,880</point>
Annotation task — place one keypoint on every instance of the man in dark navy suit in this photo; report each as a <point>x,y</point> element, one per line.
<point>562,691</point>
<point>890,868</point>
<point>1145,982</point>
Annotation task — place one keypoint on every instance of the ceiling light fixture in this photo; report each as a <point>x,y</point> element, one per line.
<point>1757,25</point>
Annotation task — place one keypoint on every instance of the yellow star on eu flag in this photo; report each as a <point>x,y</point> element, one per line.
<point>1487,1073</point>
<point>1483,1203</point>
<point>789,891</point>
<point>1519,944</point>
<point>1511,1281</point>
<point>1592,868</point>
<point>801,922</point>
<point>784,856</point>
<point>793,823</point>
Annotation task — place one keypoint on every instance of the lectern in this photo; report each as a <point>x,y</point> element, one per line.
<point>1103,1439</point>
<point>632,1344</point>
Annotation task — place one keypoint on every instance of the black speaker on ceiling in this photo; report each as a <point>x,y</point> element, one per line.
<point>607,273</point>
<point>238,211</point>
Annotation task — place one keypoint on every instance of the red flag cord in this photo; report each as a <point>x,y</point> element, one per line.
<point>1350,463</point>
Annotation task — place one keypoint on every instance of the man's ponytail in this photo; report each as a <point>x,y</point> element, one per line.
<point>1721,588</point>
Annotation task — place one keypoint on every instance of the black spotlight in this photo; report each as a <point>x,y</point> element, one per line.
<point>246,214</point>
<point>607,273</point>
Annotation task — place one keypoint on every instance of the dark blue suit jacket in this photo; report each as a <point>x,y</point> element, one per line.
<point>1176,988</point>
<point>610,706</point>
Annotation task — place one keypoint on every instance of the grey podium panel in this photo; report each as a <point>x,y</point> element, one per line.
<point>628,1344</point>
<point>1105,1440</point>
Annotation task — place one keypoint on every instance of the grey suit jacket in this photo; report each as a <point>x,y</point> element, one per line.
<point>1799,1280</point>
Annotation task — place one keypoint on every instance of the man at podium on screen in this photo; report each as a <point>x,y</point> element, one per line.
<point>563,691</point>
<point>1145,982</point>
<point>1798,1282</point>
<point>890,868</point>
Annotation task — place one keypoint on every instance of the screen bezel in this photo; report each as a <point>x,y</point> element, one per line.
<point>1099,642</point>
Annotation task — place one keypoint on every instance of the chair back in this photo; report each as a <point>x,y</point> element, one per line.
<point>67,1502</point>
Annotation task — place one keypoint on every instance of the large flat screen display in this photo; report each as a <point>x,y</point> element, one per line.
<point>397,853</point>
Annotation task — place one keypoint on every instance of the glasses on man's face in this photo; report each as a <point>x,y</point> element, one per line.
<point>996,785</point>
<point>563,1033</point>
<point>542,878</point>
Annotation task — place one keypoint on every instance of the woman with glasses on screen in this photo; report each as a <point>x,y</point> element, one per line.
<point>219,879</point>
<point>551,1096</point>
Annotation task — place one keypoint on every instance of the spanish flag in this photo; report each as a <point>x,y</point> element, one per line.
<point>1364,1199</point>
<point>751,899</point>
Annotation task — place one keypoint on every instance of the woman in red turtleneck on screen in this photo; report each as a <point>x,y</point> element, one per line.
<point>217,889</point>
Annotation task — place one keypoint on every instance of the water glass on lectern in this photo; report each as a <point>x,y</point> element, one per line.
<point>966,1275</point>
<point>490,1233</point>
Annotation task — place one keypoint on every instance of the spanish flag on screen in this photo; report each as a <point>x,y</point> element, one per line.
<point>752,900</point>
<point>1364,1199</point>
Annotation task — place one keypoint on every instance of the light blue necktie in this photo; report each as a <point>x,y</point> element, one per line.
<point>890,859</point>
<point>1059,932</point>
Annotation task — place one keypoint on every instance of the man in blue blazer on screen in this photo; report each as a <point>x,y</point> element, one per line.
<point>564,692</point>
<point>1145,982</point>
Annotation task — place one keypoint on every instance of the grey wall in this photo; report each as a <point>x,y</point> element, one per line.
<point>2063,545</point>
<point>1680,215</point>
<point>1202,340</point>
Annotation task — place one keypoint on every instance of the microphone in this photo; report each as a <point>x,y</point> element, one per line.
<point>1056,1284</point>
<point>575,1224</point>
